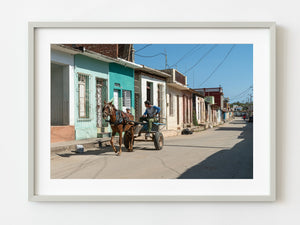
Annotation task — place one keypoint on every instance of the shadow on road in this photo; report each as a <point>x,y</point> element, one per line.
<point>193,146</point>
<point>230,128</point>
<point>234,163</point>
<point>238,122</point>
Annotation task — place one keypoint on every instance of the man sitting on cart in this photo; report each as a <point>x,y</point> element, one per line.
<point>150,115</point>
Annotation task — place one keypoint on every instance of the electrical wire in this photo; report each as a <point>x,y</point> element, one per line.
<point>212,48</point>
<point>240,94</point>
<point>143,47</point>
<point>218,66</point>
<point>150,56</point>
<point>188,54</point>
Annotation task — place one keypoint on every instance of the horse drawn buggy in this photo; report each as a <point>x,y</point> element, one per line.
<point>121,122</point>
<point>141,131</point>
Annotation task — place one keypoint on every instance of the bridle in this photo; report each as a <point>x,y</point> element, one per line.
<point>110,110</point>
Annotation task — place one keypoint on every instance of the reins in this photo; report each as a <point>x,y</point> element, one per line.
<point>121,117</point>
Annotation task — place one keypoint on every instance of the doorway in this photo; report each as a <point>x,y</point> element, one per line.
<point>100,98</point>
<point>59,94</point>
<point>116,98</point>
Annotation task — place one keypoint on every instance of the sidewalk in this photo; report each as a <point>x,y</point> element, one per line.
<point>87,143</point>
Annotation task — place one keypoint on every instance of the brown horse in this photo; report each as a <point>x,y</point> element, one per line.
<point>119,122</point>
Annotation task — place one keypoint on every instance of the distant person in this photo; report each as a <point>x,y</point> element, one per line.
<point>150,115</point>
<point>128,110</point>
<point>244,116</point>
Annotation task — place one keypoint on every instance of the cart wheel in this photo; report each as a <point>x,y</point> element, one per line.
<point>127,138</point>
<point>158,140</point>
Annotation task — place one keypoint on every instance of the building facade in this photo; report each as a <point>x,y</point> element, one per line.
<point>62,96</point>
<point>91,81</point>
<point>217,93</point>
<point>199,108</point>
<point>150,84</point>
<point>121,86</point>
<point>177,96</point>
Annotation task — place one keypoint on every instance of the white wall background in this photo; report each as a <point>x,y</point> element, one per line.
<point>14,207</point>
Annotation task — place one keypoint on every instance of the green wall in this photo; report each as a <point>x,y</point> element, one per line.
<point>87,127</point>
<point>124,76</point>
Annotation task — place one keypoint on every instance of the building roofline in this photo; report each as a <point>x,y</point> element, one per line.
<point>196,92</point>
<point>95,55</point>
<point>153,71</point>
<point>178,86</point>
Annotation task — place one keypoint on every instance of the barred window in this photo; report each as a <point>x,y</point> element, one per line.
<point>126,99</point>
<point>83,96</point>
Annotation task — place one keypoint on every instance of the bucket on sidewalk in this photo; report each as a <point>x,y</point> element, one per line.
<point>79,149</point>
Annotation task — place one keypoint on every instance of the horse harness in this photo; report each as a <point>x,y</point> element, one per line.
<point>121,118</point>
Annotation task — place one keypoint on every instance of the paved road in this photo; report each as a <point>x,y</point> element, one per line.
<point>224,152</point>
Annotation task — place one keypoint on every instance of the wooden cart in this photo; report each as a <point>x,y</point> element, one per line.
<point>141,128</point>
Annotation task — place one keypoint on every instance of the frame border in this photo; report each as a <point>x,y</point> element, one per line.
<point>32,26</point>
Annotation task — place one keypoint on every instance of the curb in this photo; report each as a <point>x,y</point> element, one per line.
<point>95,143</point>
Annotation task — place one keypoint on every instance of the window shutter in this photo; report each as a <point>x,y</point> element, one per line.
<point>127,99</point>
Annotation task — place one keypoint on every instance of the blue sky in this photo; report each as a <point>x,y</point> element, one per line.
<point>205,65</point>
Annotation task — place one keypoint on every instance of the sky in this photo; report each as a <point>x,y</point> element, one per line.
<point>205,65</point>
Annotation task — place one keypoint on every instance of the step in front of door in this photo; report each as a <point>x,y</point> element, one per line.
<point>104,134</point>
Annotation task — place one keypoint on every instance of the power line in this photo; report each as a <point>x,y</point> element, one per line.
<point>150,56</point>
<point>241,96</point>
<point>243,92</point>
<point>143,47</point>
<point>161,53</point>
<point>186,54</point>
<point>218,66</point>
<point>212,48</point>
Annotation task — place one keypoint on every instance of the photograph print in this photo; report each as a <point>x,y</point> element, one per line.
<point>151,111</point>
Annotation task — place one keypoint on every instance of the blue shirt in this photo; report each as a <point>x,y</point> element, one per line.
<point>152,111</point>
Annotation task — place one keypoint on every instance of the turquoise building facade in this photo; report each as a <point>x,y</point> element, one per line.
<point>116,83</point>
<point>121,86</point>
<point>91,89</point>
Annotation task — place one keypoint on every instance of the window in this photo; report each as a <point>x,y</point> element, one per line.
<point>83,96</point>
<point>126,99</point>
<point>150,92</point>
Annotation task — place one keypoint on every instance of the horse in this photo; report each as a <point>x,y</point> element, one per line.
<point>120,122</point>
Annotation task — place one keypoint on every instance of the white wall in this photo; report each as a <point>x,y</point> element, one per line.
<point>155,83</point>
<point>172,120</point>
<point>14,207</point>
<point>67,59</point>
<point>198,109</point>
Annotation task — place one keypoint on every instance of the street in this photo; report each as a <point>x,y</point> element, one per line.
<point>224,152</point>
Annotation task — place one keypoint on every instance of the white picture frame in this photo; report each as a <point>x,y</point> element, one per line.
<point>34,140</point>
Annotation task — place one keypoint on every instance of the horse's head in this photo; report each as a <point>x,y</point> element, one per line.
<point>108,109</point>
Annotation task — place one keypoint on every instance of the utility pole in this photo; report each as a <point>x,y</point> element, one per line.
<point>166,59</point>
